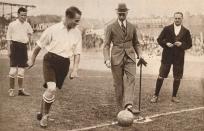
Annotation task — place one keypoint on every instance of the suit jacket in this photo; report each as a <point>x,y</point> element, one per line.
<point>176,54</point>
<point>122,44</point>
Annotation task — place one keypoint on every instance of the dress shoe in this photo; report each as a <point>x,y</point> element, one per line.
<point>132,110</point>
<point>11,92</point>
<point>154,99</point>
<point>23,93</point>
<point>39,116</point>
<point>44,121</point>
<point>175,99</point>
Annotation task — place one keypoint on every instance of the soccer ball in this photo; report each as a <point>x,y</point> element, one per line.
<point>125,118</point>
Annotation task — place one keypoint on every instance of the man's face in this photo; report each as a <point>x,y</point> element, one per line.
<point>178,19</point>
<point>22,16</point>
<point>73,22</point>
<point>122,16</point>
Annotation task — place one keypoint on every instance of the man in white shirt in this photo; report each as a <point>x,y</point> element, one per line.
<point>18,35</point>
<point>61,40</point>
<point>174,39</point>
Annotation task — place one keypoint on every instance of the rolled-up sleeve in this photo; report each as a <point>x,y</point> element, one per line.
<point>78,48</point>
<point>45,39</point>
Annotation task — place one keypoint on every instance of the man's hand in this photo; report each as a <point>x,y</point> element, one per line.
<point>30,63</point>
<point>170,44</point>
<point>178,43</point>
<point>108,63</point>
<point>141,62</point>
<point>73,74</point>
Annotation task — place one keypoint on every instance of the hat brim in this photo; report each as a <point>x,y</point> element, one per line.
<point>122,11</point>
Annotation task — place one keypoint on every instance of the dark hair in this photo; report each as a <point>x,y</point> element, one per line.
<point>178,13</point>
<point>22,9</point>
<point>72,11</point>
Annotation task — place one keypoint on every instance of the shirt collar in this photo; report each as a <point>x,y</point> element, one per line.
<point>178,27</point>
<point>17,20</point>
<point>61,25</point>
<point>124,22</point>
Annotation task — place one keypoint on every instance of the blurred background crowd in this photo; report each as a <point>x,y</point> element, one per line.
<point>148,29</point>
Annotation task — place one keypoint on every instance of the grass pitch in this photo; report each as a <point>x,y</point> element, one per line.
<point>89,101</point>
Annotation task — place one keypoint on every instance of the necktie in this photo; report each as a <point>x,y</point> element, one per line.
<point>123,28</point>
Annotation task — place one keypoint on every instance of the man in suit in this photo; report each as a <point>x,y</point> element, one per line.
<point>123,36</point>
<point>174,39</point>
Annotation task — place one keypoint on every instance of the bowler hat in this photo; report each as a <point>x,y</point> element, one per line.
<point>122,8</point>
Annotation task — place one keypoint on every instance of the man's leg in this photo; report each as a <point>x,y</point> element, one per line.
<point>159,84</point>
<point>48,99</point>
<point>157,89</point>
<point>176,85</point>
<point>12,74</point>
<point>178,74</point>
<point>118,84</point>
<point>129,89</point>
<point>21,91</point>
<point>163,73</point>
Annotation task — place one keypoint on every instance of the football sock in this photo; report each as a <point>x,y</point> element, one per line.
<point>20,83</point>
<point>45,107</point>
<point>158,86</point>
<point>12,82</point>
<point>175,87</point>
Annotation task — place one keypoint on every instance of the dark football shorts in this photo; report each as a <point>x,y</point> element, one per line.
<point>19,54</point>
<point>165,69</point>
<point>55,69</point>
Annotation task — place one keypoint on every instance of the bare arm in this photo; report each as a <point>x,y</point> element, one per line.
<point>34,55</point>
<point>29,37</point>
<point>9,38</point>
<point>76,62</point>
<point>74,73</point>
<point>8,48</point>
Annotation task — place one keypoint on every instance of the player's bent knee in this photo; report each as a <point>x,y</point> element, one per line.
<point>51,86</point>
<point>49,94</point>
<point>21,72</point>
<point>12,72</point>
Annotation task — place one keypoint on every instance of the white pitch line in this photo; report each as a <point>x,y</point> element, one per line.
<point>144,77</point>
<point>176,112</point>
<point>139,120</point>
<point>93,127</point>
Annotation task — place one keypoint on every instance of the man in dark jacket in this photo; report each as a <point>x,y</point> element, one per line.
<point>174,39</point>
